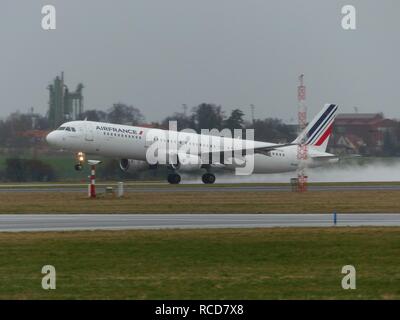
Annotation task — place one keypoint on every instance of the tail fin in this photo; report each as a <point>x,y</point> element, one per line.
<point>318,131</point>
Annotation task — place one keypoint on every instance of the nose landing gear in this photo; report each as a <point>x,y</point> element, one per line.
<point>80,157</point>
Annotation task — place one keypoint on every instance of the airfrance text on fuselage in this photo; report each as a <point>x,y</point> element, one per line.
<point>118,130</point>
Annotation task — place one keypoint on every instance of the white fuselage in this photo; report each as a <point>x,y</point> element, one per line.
<point>130,142</point>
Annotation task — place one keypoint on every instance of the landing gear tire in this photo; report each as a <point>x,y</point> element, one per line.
<point>78,167</point>
<point>174,178</point>
<point>208,178</point>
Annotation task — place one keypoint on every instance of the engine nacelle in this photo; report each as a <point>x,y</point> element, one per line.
<point>185,162</point>
<point>130,165</point>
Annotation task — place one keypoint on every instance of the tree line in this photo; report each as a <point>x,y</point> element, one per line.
<point>21,135</point>
<point>204,116</point>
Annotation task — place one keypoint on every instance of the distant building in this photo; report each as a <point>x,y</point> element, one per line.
<point>63,104</point>
<point>364,133</point>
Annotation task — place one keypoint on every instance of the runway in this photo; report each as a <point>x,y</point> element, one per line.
<point>69,222</point>
<point>197,188</point>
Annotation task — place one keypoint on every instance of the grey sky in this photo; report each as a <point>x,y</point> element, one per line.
<point>159,54</point>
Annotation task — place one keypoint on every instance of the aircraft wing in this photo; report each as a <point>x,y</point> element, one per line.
<point>261,150</point>
<point>324,157</point>
<point>265,150</point>
<point>321,157</point>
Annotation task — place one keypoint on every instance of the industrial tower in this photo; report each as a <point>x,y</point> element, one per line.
<point>63,104</point>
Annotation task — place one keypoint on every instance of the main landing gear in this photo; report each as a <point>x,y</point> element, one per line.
<point>208,178</point>
<point>174,178</point>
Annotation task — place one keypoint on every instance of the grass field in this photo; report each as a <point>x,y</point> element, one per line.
<point>203,264</point>
<point>62,164</point>
<point>204,202</point>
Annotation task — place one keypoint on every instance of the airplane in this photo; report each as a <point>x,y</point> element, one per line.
<point>190,151</point>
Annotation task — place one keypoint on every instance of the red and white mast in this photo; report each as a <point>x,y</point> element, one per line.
<point>92,177</point>
<point>302,152</point>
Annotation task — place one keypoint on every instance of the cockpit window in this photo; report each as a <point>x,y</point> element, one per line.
<point>71,129</point>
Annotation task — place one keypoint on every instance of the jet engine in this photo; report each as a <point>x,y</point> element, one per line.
<point>130,165</point>
<point>185,162</point>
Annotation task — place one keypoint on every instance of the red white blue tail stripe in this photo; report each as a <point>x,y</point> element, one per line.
<point>320,128</point>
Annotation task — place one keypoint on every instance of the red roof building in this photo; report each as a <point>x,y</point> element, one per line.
<point>364,133</point>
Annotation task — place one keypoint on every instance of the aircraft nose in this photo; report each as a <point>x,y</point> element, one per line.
<point>51,138</point>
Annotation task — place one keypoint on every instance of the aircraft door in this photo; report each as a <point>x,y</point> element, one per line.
<point>149,139</point>
<point>89,136</point>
